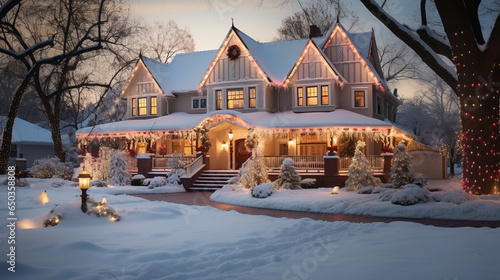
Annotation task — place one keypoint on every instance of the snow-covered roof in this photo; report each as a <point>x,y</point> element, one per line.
<point>276,59</point>
<point>183,73</point>
<point>288,119</point>
<point>27,133</point>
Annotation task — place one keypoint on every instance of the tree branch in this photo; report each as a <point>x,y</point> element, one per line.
<point>429,56</point>
<point>9,5</point>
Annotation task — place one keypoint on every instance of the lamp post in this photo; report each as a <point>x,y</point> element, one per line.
<point>84,182</point>
<point>230,135</point>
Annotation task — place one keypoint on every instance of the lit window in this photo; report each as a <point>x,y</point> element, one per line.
<point>324,95</point>
<point>196,103</point>
<point>154,106</point>
<point>143,106</point>
<point>203,103</point>
<point>134,108</point>
<point>251,97</point>
<point>218,98</point>
<point>235,99</point>
<point>300,96</point>
<point>359,98</point>
<point>312,96</point>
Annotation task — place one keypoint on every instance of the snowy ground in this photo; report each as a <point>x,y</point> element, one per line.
<point>159,240</point>
<point>485,208</point>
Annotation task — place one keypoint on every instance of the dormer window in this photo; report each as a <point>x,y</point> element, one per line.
<point>235,99</point>
<point>300,96</point>
<point>134,107</point>
<point>154,105</point>
<point>359,98</point>
<point>314,95</point>
<point>311,96</point>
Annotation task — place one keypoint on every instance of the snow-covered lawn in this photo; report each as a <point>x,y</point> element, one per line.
<point>160,240</point>
<point>461,206</point>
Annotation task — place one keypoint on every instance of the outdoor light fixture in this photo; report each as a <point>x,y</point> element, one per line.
<point>223,144</point>
<point>84,182</point>
<point>290,142</point>
<point>230,134</point>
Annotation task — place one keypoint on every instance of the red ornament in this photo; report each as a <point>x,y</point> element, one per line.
<point>233,52</point>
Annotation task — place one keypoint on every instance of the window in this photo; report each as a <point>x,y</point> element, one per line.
<point>218,98</point>
<point>235,99</point>
<point>196,103</point>
<point>251,97</point>
<point>154,106</point>
<point>324,95</point>
<point>300,96</point>
<point>199,103</point>
<point>312,96</point>
<point>359,98</point>
<point>143,106</point>
<point>13,150</point>
<point>134,108</point>
<point>203,103</point>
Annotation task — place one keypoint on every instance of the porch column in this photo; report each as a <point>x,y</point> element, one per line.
<point>387,164</point>
<point>331,171</point>
<point>144,165</point>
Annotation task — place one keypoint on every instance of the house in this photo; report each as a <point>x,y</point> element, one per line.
<point>301,95</point>
<point>29,141</point>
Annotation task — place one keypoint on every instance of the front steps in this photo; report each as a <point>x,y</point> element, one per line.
<point>212,180</point>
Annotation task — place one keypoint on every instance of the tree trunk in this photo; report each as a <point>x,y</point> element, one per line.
<point>9,126</point>
<point>452,161</point>
<point>53,116</point>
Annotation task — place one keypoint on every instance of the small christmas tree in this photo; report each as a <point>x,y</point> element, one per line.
<point>288,178</point>
<point>177,169</point>
<point>118,168</point>
<point>360,172</point>
<point>254,172</point>
<point>402,167</point>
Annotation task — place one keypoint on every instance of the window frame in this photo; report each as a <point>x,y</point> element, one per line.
<point>327,94</point>
<point>240,92</point>
<point>354,100</point>
<point>218,99</point>
<point>155,98</point>
<point>250,98</point>
<point>311,97</point>
<point>145,107</point>
<point>300,99</point>
<point>134,107</point>
<point>202,102</point>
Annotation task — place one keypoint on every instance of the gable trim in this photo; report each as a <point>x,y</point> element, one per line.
<point>140,61</point>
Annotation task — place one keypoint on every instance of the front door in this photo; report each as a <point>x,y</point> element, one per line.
<point>241,153</point>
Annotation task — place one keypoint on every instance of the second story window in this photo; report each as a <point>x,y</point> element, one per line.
<point>143,106</point>
<point>359,98</point>
<point>312,96</point>
<point>154,105</point>
<point>300,96</point>
<point>251,97</point>
<point>134,107</point>
<point>235,99</point>
<point>324,95</point>
<point>218,99</point>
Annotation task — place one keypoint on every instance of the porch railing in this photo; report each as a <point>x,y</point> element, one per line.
<point>300,162</point>
<point>194,167</point>
<point>377,162</point>
<point>161,162</point>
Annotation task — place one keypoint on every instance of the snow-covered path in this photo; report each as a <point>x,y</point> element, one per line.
<point>160,240</point>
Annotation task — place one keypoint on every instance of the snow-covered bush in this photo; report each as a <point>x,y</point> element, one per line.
<point>410,194</point>
<point>263,191</point>
<point>402,167</point>
<point>455,197</point>
<point>386,195</point>
<point>157,182</point>
<point>49,167</point>
<point>288,177</point>
<point>419,179</point>
<point>366,190</point>
<point>175,161</point>
<point>174,176</point>
<point>118,168</point>
<point>254,172</point>
<point>147,181</point>
<point>137,180</point>
<point>98,184</point>
<point>72,156</point>
<point>360,171</point>
<point>308,183</point>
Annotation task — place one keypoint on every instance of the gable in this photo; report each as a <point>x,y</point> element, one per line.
<point>349,53</point>
<point>313,64</point>
<point>140,76</point>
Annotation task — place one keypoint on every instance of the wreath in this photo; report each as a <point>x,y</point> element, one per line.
<point>233,52</point>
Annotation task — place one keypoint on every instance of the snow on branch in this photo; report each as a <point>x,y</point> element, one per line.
<point>423,50</point>
<point>436,42</point>
<point>28,51</point>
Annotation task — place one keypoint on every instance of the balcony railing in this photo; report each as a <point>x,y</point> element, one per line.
<point>161,162</point>
<point>305,163</point>
<point>376,162</point>
<point>194,167</point>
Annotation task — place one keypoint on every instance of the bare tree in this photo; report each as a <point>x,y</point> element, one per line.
<point>162,41</point>
<point>475,78</point>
